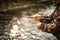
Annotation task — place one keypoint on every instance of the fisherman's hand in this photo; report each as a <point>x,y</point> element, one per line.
<point>37,17</point>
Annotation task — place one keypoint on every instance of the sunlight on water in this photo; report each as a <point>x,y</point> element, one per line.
<point>25,29</point>
<point>20,25</point>
<point>15,27</point>
<point>14,31</point>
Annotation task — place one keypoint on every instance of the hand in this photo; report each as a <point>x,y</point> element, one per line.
<point>37,17</point>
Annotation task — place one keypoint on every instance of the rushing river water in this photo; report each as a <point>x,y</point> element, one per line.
<point>24,28</point>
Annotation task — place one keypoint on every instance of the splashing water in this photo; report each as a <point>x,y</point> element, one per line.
<point>25,29</point>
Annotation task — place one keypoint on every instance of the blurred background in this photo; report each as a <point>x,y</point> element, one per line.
<point>16,22</point>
